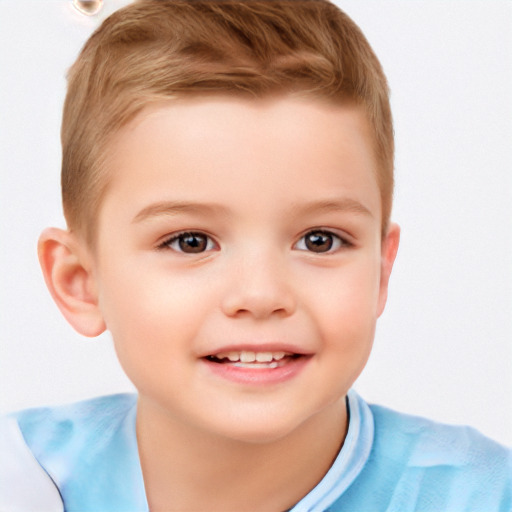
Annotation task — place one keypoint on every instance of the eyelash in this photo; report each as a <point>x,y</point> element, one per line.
<point>335,242</point>
<point>177,237</point>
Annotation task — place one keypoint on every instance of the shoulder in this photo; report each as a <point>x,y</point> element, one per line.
<point>436,466</point>
<point>53,428</point>
<point>87,411</point>
<point>418,465</point>
<point>428,443</point>
<point>42,448</point>
<point>69,429</point>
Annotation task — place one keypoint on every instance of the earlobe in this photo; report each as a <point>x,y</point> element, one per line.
<point>70,281</point>
<point>388,254</point>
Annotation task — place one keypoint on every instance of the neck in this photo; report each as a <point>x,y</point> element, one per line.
<point>187,469</point>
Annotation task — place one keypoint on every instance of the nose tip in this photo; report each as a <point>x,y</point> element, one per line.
<point>260,293</point>
<point>258,307</point>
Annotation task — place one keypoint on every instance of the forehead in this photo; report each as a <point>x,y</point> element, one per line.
<point>222,149</point>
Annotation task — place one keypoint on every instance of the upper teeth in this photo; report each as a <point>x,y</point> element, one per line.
<point>246,356</point>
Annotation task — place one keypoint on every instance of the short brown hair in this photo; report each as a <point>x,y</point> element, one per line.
<point>154,50</point>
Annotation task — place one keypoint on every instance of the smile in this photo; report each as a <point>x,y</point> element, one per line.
<point>250,359</point>
<point>256,368</point>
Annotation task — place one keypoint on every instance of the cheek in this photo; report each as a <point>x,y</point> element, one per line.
<point>347,308</point>
<point>153,313</point>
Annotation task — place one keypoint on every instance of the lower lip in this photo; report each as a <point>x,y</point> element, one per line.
<point>258,376</point>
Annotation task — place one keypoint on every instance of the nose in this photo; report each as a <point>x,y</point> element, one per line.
<point>260,287</point>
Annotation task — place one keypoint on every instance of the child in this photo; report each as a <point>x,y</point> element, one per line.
<point>227,183</point>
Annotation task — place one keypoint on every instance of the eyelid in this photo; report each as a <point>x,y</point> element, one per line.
<point>164,244</point>
<point>344,240</point>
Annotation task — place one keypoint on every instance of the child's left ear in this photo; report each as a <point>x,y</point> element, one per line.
<point>67,272</point>
<point>388,254</point>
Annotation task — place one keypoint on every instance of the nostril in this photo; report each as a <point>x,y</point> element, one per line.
<point>262,305</point>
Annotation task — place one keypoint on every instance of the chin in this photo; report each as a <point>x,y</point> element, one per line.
<point>258,435</point>
<point>262,426</point>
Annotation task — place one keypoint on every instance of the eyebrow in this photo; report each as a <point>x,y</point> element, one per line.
<point>175,208</point>
<point>335,205</point>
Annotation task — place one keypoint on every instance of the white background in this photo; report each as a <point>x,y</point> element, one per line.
<point>443,347</point>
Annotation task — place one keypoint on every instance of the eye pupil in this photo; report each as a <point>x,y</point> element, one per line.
<point>318,241</point>
<point>192,242</point>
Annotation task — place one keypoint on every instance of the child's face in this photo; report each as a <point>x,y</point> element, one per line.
<point>238,229</point>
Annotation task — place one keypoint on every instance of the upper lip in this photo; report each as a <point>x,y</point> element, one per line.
<point>258,347</point>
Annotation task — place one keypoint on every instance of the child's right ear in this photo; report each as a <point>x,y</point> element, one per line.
<point>67,270</point>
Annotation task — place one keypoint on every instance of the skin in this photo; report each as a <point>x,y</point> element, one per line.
<point>253,179</point>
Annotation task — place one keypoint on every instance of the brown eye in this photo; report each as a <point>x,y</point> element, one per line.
<point>190,243</point>
<point>317,241</point>
<point>320,241</point>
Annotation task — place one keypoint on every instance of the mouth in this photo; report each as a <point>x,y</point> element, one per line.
<point>257,365</point>
<point>253,360</point>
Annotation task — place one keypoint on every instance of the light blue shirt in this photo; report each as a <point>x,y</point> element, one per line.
<point>84,458</point>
